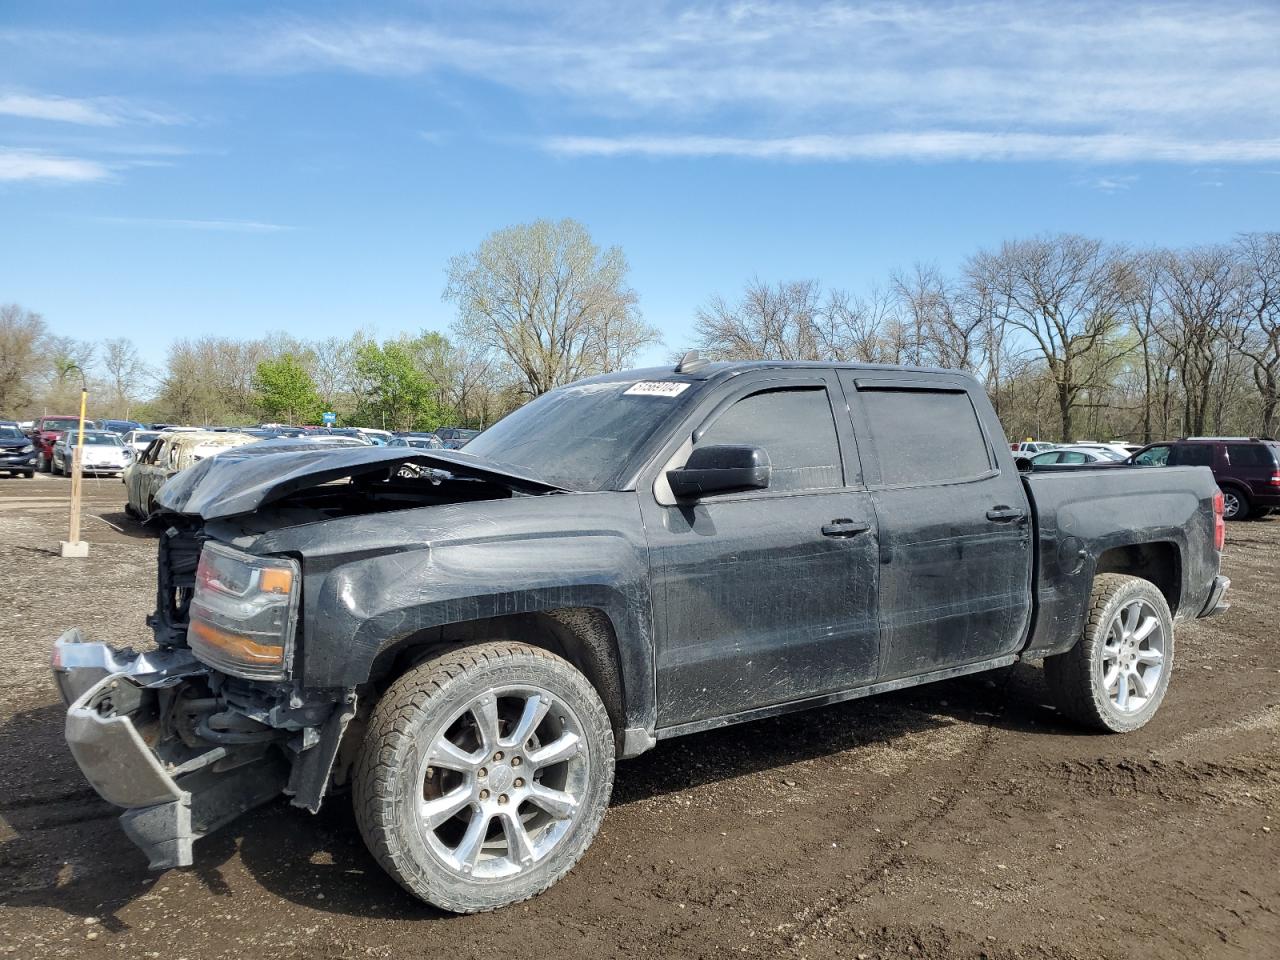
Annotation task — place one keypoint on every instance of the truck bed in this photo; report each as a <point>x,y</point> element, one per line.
<point>1090,520</point>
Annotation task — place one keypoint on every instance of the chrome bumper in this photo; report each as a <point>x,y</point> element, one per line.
<point>173,794</point>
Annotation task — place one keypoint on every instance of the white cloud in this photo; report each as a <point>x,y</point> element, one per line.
<point>223,226</point>
<point>1008,80</point>
<point>92,112</point>
<point>930,145</point>
<point>34,165</point>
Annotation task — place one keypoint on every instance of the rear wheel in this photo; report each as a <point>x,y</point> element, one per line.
<point>1235,504</point>
<point>484,776</point>
<point>1116,675</point>
<point>42,463</point>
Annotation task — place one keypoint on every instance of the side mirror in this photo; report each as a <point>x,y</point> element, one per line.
<point>721,468</point>
<point>1023,464</point>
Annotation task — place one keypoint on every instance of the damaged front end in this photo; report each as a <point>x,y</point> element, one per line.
<point>191,735</point>
<point>219,718</point>
<point>152,736</point>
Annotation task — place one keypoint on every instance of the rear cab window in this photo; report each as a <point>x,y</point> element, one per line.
<point>925,436</point>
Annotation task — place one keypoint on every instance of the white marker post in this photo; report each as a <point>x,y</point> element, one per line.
<point>73,546</point>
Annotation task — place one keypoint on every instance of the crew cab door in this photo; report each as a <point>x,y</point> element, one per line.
<point>764,596</point>
<point>955,534</point>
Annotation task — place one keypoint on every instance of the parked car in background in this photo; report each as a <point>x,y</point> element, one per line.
<point>17,453</point>
<point>119,426</point>
<point>454,438</point>
<point>45,433</point>
<point>104,453</point>
<point>139,440</point>
<point>170,453</point>
<point>379,438</point>
<point>1247,469</point>
<point>1029,448</point>
<point>351,432</point>
<point>1075,456</point>
<point>1119,449</point>
<point>424,441</point>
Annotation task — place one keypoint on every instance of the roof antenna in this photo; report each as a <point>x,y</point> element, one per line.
<point>691,362</point>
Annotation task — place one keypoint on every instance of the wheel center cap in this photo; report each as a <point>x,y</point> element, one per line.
<point>500,778</point>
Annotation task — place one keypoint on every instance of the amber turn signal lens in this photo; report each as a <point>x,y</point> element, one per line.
<point>275,580</point>
<point>237,646</point>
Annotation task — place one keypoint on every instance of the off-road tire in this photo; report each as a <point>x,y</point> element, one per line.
<point>1074,677</point>
<point>412,710</point>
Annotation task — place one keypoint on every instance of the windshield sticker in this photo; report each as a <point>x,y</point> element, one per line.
<point>656,388</point>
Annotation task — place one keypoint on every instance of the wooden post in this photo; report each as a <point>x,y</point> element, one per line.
<point>74,547</point>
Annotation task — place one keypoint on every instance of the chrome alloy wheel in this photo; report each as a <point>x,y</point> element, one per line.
<point>1230,504</point>
<point>502,782</point>
<point>1133,656</point>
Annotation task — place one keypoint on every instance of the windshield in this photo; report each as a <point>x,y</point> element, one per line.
<point>11,433</point>
<point>101,439</point>
<point>70,423</point>
<point>582,436</point>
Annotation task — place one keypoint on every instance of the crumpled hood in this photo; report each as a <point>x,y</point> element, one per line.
<point>241,481</point>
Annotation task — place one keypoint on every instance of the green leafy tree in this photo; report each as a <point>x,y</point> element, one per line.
<point>286,391</point>
<point>395,392</point>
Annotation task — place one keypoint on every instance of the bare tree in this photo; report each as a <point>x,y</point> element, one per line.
<point>1201,287</point>
<point>1066,293</point>
<point>767,323</point>
<point>545,297</point>
<point>126,373</point>
<point>1259,310</point>
<point>22,337</point>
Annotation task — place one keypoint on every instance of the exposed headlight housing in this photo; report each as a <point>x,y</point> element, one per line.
<point>29,448</point>
<point>243,612</point>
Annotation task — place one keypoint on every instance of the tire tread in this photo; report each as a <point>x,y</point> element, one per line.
<point>390,725</point>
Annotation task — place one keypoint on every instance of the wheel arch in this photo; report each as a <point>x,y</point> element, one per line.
<point>1157,561</point>
<point>584,636</point>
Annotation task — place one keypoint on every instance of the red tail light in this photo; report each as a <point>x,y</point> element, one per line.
<point>1275,480</point>
<point>1219,525</point>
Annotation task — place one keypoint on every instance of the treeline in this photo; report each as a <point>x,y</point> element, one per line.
<point>1073,338</point>
<point>538,305</point>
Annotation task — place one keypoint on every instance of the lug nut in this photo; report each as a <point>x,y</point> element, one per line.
<point>516,761</point>
<point>502,798</point>
<point>519,781</point>
<point>498,755</point>
<point>484,794</point>
<point>483,771</point>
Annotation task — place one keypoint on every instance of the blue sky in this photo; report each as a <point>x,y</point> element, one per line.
<point>179,169</point>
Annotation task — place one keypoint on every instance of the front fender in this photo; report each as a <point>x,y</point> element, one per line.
<point>381,578</point>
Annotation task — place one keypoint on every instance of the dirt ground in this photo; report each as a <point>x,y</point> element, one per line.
<point>953,821</point>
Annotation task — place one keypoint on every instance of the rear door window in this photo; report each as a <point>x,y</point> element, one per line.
<point>1195,455</point>
<point>795,427</point>
<point>925,436</point>
<point>1072,456</point>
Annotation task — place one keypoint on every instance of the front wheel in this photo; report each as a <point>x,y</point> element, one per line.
<point>484,776</point>
<point>1116,675</point>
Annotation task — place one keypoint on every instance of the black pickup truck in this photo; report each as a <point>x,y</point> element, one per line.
<point>467,640</point>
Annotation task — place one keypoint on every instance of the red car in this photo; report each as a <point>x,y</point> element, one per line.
<point>46,432</point>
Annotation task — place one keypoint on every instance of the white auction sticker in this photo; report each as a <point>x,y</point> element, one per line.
<point>656,388</point>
